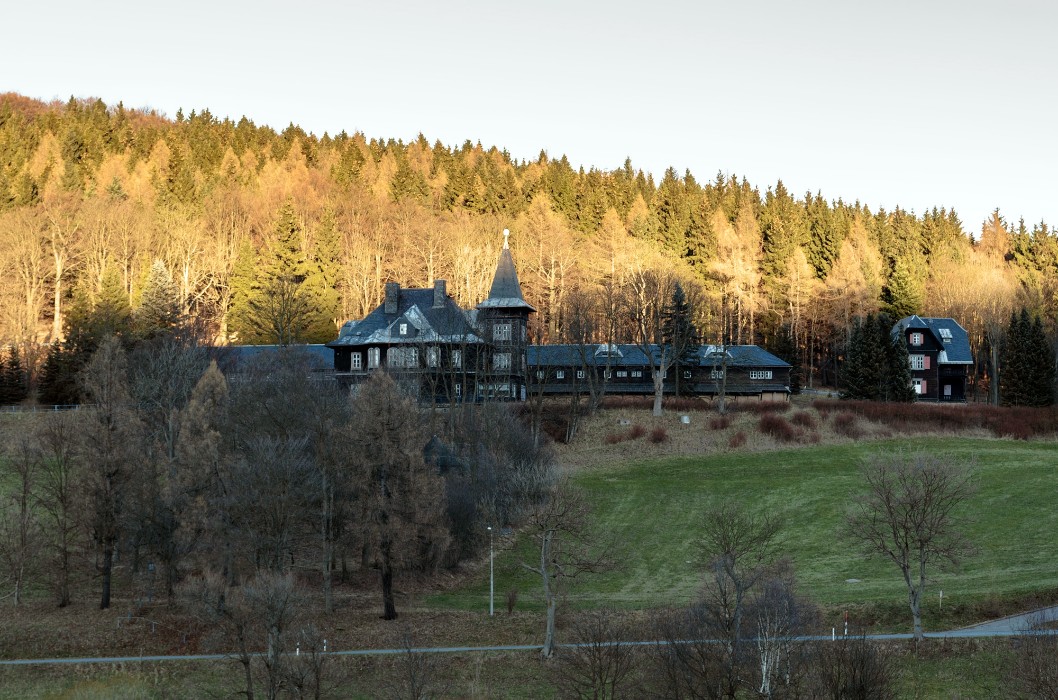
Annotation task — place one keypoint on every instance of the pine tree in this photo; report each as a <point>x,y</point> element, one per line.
<point>679,335</point>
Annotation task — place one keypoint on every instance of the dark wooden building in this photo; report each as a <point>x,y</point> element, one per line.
<point>448,354</point>
<point>940,356</point>
<point>736,371</point>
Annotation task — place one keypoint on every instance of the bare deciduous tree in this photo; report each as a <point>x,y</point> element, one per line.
<point>20,536</point>
<point>851,668</point>
<point>909,515</point>
<point>57,495</point>
<point>600,666</point>
<point>560,526</point>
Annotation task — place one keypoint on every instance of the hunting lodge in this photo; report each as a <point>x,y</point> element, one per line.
<point>423,337</point>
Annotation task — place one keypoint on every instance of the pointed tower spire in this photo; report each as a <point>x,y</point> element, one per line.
<point>506,292</point>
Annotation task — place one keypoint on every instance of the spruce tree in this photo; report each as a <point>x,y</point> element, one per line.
<point>159,311</point>
<point>15,388</point>
<point>897,375</point>
<point>1044,362</point>
<point>1016,376</point>
<point>679,335</point>
<point>903,295</point>
<point>5,390</point>
<point>321,282</point>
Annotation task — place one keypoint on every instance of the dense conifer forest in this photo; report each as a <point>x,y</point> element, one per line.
<point>122,220</point>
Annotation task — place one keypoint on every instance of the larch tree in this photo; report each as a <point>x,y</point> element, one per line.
<point>397,497</point>
<point>108,452</point>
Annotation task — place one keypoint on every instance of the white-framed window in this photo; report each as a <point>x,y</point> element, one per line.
<point>760,374</point>
<point>373,357</point>
<point>919,386</point>
<point>716,374</point>
<point>945,335</point>
<point>918,361</point>
<point>606,374</point>
<point>459,390</point>
<point>916,338</point>
<point>664,375</point>
<point>433,356</point>
<point>560,374</point>
<point>355,361</point>
<point>622,374</point>
<point>580,374</point>
<point>501,332</point>
<point>501,360</point>
<point>637,374</point>
<point>539,374</point>
<point>686,374</point>
<point>457,358</point>
<point>402,357</point>
<point>404,329</point>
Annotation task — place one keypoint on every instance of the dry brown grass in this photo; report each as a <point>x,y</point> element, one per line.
<point>708,432</point>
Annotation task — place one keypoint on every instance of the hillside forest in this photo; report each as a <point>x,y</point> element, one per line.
<point>127,220</point>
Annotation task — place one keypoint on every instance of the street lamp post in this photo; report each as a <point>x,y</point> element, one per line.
<point>492,577</point>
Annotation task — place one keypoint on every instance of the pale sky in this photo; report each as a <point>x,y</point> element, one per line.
<point>921,104</point>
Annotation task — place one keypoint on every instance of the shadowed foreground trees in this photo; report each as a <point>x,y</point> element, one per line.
<point>399,500</point>
<point>910,515</point>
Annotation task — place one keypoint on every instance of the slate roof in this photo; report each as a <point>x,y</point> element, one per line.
<point>233,358</point>
<point>633,356</point>
<point>447,324</point>
<point>956,350</point>
<point>505,293</point>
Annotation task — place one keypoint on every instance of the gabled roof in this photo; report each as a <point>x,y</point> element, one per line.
<point>948,334</point>
<point>446,324</point>
<point>505,293</point>
<point>633,356</point>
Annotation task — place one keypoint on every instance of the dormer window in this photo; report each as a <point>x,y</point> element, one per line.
<point>945,335</point>
<point>916,338</point>
<point>404,329</point>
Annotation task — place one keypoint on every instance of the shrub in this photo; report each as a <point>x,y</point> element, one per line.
<point>804,419</point>
<point>614,438</point>
<point>778,427</point>
<point>636,431</point>
<point>737,440</point>
<point>719,422</point>
<point>658,435</point>
<point>763,406</point>
<point>846,423</point>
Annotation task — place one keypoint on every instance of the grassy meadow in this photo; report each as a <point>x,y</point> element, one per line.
<point>651,509</point>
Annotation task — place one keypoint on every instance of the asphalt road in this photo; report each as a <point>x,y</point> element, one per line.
<point>1005,627</point>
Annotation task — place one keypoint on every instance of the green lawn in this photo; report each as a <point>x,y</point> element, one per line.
<point>653,507</point>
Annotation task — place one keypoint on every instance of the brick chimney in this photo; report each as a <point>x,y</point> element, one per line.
<point>439,294</point>
<point>392,297</point>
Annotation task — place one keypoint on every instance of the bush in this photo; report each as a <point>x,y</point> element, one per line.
<point>719,422</point>
<point>614,438</point>
<point>778,427</point>
<point>658,435</point>
<point>737,440</point>
<point>845,423</point>
<point>763,406</point>
<point>636,431</point>
<point>804,419</point>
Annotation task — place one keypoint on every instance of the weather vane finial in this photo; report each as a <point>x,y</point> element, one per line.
<point>506,235</point>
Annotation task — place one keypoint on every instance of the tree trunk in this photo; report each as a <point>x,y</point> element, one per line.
<point>389,608</point>
<point>659,389</point>
<point>549,633</point>
<point>108,568</point>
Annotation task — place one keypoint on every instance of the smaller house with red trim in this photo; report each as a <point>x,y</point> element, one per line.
<point>940,355</point>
